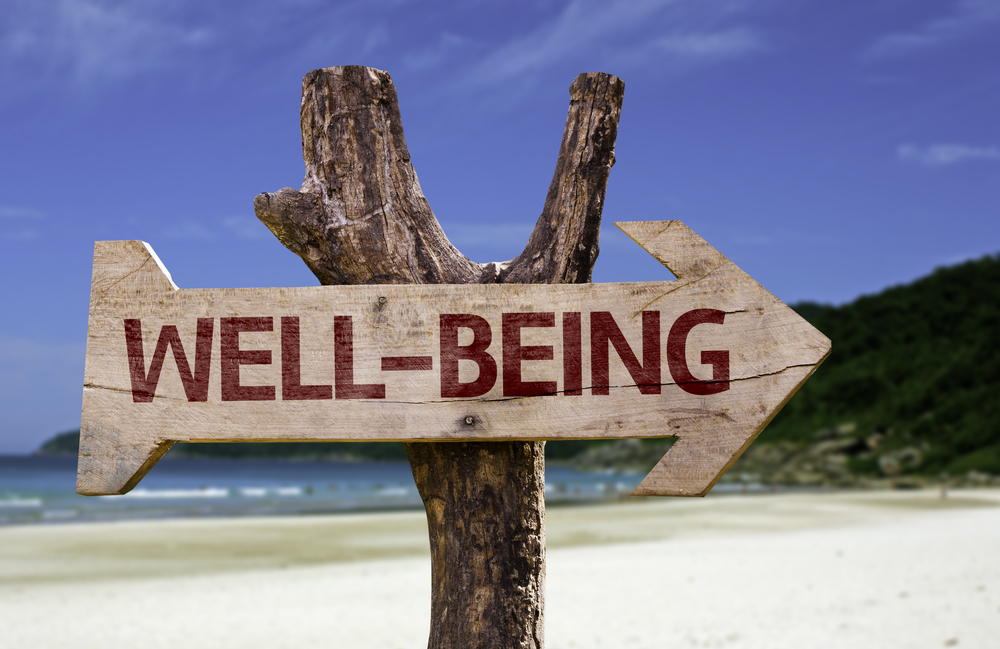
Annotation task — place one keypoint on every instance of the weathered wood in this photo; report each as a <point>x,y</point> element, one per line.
<point>361,218</point>
<point>564,244</point>
<point>477,488</point>
<point>395,379</point>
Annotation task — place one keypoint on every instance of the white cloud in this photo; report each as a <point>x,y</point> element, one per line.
<point>448,46</point>
<point>96,40</point>
<point>21,234</point>
<point>968,17</point>
<point>91,44</point>
<point>16,221</point>
<point>376,39</point>
<point>12,212</point>
<point>684,49</point>
<point>247,228</point>
<point>727,43</point>
<point>28,353</point>
<point>936,155</point>
<point>189,230</point>
<point>605,29</point>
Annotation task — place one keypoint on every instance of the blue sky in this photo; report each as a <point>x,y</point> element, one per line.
<point>830,149</point>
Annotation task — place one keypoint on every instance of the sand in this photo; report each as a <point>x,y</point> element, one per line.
<point>870,569</point>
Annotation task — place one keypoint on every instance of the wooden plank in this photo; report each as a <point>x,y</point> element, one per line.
<point>708,358</point>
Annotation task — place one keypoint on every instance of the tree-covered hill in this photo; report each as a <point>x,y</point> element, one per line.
<point>913,374</point>
<point>910,387</point>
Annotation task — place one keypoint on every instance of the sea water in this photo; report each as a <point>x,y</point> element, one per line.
<point>41,489</point>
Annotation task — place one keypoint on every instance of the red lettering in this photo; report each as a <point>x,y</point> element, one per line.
<point>451,354</point>
<point>677,354</point>
<point>572,355</point>
<point>343,364</point>
<point>233,357</point>
<point>144,385</point>
<point>407,363</point>
<point>291,368</point>
<point>514,352</point>
<point>604,330</point>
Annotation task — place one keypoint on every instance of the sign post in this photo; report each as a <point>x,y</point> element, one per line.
<point>707,358</point>
<point>427,346</point>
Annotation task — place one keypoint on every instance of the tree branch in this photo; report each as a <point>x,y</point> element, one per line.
<point>564,244</point>
<point>360,217</point>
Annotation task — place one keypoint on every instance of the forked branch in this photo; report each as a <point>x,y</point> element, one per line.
<point>360,217</point>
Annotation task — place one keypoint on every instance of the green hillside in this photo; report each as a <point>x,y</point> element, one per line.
<point>910,388</point>
<point>913,375</point>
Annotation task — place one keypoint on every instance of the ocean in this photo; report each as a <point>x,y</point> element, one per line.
<point>41,489</point>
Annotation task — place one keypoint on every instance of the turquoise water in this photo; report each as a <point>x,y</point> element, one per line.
<point>37,489</point>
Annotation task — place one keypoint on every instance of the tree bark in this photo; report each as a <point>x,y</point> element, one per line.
<point>485,505</point>
<point>360,217</point>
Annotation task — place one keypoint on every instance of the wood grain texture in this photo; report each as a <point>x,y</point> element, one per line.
<point>771,351</point>
<point>463,612</point>
<point>564,244</point>
<point>361,218</point>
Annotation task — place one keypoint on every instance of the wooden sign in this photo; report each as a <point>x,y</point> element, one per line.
<point>708,359</point>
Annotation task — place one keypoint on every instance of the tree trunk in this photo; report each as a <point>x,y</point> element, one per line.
<point>485,505</point>
<point>361,218</point>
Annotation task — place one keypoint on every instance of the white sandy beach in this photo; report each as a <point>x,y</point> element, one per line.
<point>872,569</point>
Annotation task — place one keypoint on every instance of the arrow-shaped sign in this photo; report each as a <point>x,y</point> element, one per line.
<point>709,359</point>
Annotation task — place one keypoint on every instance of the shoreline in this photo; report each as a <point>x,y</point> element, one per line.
<point>141,548</point>
<point>851,569</point>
